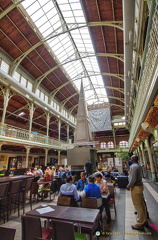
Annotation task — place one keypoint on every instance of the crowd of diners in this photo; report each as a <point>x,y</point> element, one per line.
<point>49,173</point>
<point>93,186</point>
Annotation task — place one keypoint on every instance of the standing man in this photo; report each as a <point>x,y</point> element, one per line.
<point>89,168</point>
<point>136,186</point>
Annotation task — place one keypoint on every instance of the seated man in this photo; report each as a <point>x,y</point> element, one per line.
<point>66,174</point>
<point>82,182</point>
<point>105,194</point>
<point>92,190</point>
<point>69,189</point>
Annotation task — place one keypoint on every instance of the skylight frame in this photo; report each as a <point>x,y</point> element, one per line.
<point>80,41</point>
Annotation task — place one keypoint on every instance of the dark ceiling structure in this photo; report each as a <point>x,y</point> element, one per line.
<point>27,49</point>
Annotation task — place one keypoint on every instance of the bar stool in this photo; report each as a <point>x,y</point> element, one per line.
<point>24,191</point>
<point>14,197</point>
<point>3,198</point>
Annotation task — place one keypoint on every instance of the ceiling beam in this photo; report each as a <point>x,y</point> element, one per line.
<point>67,99</point>
<point>117,98</point>
<point>58,32</point>
<point>120,76</point>
<point>70,59</point>
<point>115,24</point>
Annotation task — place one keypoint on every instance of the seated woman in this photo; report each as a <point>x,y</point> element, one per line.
<point>47,177</point>
<point>29,172</point>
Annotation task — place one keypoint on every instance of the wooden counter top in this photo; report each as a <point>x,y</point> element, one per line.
<point>14,178</point>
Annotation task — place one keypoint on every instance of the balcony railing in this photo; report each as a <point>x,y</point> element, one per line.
<point>13,134</point>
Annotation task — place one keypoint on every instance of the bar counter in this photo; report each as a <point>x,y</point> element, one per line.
<point>13,178</point>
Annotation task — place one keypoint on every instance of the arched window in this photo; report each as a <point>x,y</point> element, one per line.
<point>123,144</point>
<point>110,145</point>
<point>103,145</point>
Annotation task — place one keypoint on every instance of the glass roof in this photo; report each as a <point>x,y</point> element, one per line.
<point>63,25</point>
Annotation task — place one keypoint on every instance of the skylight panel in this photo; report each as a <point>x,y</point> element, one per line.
<point>69,14</point>
<point>40,21</point>
<point>46,7</point>
<point>46,29</point>
<point>65,7</point>
<point>52,13</point>
<point>68,46</point>
<point>78,13</point>
<point>76,6</point>
<point>80,19</point>
<point>37,15</point>
<point>33,7</point>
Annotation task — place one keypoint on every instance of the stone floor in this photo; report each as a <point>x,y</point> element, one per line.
<point>120,227</point>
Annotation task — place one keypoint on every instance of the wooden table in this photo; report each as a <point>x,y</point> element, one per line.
<point>70,214</point>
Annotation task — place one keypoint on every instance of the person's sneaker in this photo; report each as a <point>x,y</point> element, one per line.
<point>137,227</point>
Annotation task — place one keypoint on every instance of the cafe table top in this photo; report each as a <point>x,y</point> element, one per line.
<point>70,214</point>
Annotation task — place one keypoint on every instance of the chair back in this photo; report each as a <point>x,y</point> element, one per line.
<point>35,187</point>
<point>3,189</point>
<point>62,230</point>
<point>89,203</point>
<point>31,227</point>
<point>72,202</point>
<point>7,233</point>
<point>63,201</point>
<point>15,187</point>
<point>54,186</point>
<point>28,184</point>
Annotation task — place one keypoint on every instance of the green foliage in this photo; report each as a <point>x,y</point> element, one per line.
<point>123,154</point>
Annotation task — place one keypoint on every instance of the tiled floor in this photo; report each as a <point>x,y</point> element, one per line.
<point>120,228</point>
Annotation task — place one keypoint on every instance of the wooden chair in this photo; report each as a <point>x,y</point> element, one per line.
<point>7,233</point>
<point>52,189</point>
<point>89,203</point>
<point>31,228</point>
<point>14,197</point>
<point>63,201</point>
<point>65,230</point>
<point>112,196</point>
<point>73,203</point>
<point>87,228</point>
<point>25,189</point>
<point>3,199</point>
<point>35,191</point>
